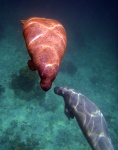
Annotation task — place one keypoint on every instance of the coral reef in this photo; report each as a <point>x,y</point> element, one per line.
<point>29,144</point>
<point>13,138</point>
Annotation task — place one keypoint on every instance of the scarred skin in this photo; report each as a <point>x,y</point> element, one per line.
<point>46,44</point>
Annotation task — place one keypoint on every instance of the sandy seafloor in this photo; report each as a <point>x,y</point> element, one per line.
<point>31,119</point>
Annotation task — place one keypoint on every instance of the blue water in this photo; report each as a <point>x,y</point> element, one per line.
<point>31,119</point>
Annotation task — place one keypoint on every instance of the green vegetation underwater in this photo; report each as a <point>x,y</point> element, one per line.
<point>32,119</point>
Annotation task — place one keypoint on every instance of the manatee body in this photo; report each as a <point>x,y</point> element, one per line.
<point>88,116</point>
<point>46,44</point>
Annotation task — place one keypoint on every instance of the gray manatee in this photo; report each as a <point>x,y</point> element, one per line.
<point>88,116</point>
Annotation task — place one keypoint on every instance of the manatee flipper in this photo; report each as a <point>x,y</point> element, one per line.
<point>88,116</point>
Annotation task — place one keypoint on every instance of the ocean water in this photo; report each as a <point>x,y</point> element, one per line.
<point>31,119</point>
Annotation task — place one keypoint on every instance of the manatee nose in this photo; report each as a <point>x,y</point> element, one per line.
<point>45,86</point>
<point>56,90</point>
